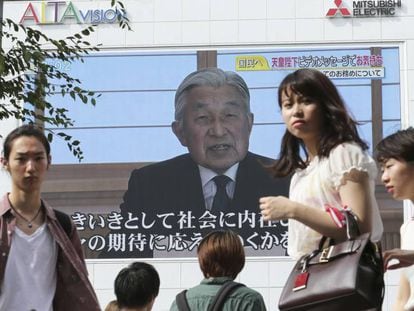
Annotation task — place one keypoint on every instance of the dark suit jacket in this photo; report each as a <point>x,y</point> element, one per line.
<point>175,185</point>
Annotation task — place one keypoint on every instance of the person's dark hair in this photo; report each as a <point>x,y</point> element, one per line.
<point>221,253</point>
<point>399,146</point>
<point>25,130</point>
<point>337,126</point>
<point>136,285</point>
<point>213,77</point>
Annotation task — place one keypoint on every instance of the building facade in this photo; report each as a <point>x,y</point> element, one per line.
<point>366,49</point>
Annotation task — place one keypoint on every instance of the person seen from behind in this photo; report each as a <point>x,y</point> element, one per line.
<point>136,287</point>
<point>221,258</point>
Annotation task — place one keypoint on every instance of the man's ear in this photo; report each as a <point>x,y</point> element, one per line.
<point>5,163</point>
<point>151,304</point>
<point>250,118</point>
<point>177,128</point>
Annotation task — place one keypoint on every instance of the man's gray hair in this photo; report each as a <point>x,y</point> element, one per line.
<point>213,77</point>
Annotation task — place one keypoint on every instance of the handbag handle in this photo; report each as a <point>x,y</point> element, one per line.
<point>352,228</point>
<point>352,232</point>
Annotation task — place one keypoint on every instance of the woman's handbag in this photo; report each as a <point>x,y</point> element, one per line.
<point>341,277</point>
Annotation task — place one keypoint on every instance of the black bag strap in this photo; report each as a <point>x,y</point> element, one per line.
<point>352,228</point>
<point>218,301</point>
<point>181,301</point>
<point>222,294</point>
<point>64,221</point>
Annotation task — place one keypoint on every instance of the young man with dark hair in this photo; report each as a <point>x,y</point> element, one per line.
<point>136,287</point>
<point>395,154</point>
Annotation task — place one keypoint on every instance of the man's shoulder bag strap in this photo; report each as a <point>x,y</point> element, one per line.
<point>218,300</point>
<point>64,220</point>
<point>222,294</point>
<point>182,302</point>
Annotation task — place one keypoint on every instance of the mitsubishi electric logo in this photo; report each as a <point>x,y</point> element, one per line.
<point>339,9</point>
<point>361,8</point>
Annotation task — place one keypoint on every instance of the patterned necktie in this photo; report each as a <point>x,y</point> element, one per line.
<point>221,200</point>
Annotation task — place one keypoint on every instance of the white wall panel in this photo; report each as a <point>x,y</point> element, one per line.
<point>366,29</point>
<point>252,31</point>
<point>281,9</point>
<point>309,9</point>
<point>224,32</point>
<point>252,9</point>
<point>143,35</point>
<point>167,33</point>
<point>167,11</point>
<point>338,29</point>
<point>309,30</point>
<point>224,10</point>
<point>196,33</point>
<point>196,10</point>
<point>397,28</point>
<point>281,30</point>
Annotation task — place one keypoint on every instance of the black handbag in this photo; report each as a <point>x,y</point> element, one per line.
<point>341,277</point>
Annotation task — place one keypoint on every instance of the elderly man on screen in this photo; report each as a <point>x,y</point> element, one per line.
<point>218,183</point>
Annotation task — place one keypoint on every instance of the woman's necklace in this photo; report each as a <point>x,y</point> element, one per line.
<point>29,222</point>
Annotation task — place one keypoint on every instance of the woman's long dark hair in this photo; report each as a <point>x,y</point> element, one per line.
<point>338,126</point>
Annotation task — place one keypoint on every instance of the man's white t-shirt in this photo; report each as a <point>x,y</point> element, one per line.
<point>30,278</point>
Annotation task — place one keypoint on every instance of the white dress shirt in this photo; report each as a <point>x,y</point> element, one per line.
<point>209,186</point>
